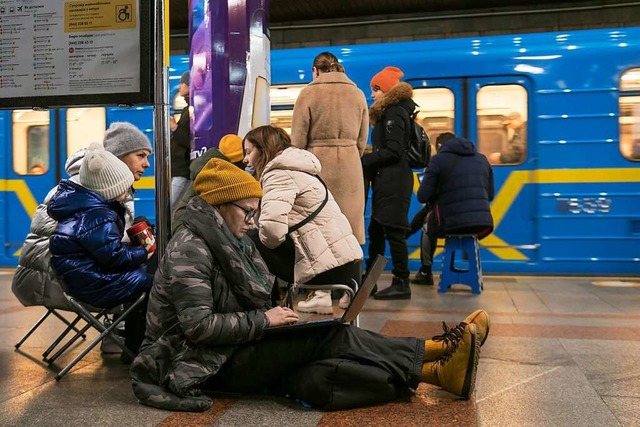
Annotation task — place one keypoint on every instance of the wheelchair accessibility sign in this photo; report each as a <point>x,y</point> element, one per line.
<point>92,15</point>
<point>124,13</point>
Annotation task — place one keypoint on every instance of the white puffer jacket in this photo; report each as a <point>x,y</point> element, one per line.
<point>291,193</point>
<point>35,282</point>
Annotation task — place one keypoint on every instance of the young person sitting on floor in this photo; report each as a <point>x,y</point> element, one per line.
<point>210,306</point>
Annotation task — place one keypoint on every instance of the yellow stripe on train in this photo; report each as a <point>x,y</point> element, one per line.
<point>499,207</point>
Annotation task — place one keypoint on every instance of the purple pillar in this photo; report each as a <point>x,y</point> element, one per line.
<point>229,59</point>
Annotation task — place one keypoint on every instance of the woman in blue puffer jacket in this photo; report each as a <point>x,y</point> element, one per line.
<point>86,247</point>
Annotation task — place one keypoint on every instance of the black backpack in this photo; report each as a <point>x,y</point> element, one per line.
<point>419,149</point>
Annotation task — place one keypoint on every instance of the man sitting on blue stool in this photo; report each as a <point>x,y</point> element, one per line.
<point>458,185</point>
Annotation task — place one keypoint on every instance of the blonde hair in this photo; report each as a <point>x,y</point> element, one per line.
<point>270,140</point>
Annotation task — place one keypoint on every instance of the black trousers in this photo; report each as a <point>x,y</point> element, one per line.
<point>281,260</point>
<point>283,363</point>
<point>135,325</point>
<point>397,238</point>
<point>419,223</point>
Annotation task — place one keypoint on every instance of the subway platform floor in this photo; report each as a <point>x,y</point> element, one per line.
<point>562,351</point>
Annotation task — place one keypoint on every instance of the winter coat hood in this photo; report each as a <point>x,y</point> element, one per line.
<point>73,163</point>
<point>295,159</point>
<point>399,94</point>
<point>459,146</point>
<point>71,198</point>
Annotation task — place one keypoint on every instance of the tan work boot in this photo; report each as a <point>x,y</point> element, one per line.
<point>480,318</point>
<point>456,373</point>
<point>445,344</point>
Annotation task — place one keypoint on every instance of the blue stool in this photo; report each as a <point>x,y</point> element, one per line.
<point>461,263</point>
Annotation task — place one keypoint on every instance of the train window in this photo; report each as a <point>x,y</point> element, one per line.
<point>629,119</point>
<point>282,96</point>
<point>282,119</point>
<point>84,126</point>
<point>30,142</point>
<point>283,99</point>
<point>437,112</point>
<point>502,123</point>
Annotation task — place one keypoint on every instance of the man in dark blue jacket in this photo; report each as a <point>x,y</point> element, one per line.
<point>458,186</point>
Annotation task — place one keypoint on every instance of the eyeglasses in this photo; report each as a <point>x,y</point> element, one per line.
<point>249,214</point>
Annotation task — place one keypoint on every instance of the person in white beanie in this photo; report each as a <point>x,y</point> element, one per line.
<point>86,247</point>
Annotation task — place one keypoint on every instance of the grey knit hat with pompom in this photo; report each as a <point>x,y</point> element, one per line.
<point>123,138</point>
<point>103,173</point>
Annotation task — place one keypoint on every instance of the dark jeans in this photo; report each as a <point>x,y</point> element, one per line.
<point>426,252</point>
<point>265,364</point>
<point>419,222</point>
<point>397,238</point>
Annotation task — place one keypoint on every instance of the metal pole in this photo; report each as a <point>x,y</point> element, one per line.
<point>161,131</point>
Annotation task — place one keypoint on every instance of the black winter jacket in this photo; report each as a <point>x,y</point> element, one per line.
<point>387,167</point>
<point>180,146</point>
<point>459,181</point>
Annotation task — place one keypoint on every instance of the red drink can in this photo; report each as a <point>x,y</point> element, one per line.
<point>141,233</point>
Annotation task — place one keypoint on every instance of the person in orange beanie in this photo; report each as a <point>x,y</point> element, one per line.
<point>390,176</point>
<point>231,146</point>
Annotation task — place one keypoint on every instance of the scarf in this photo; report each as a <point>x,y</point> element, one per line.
<point>243,268</point>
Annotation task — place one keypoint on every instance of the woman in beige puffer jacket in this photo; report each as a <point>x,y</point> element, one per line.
<point>325,249</point>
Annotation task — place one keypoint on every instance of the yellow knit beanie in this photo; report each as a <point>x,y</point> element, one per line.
<point>221,182</point>
<point>231,146</point>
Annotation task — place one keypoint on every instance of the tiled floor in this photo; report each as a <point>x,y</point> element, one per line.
<point>561,352</point>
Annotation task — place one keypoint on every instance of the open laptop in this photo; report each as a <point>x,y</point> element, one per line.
<point>350,313</point>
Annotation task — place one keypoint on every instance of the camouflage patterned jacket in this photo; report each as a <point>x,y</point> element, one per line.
<point>209,295</point>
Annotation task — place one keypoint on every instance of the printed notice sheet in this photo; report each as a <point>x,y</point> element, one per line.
<point>61,47</point>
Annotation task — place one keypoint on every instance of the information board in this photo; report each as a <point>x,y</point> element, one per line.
<point>56,53</point>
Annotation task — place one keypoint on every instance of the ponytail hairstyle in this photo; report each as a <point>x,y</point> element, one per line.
<point>327,62</point>
<point>271,141</point>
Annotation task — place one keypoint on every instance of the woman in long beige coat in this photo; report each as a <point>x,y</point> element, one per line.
<point>331,120</point>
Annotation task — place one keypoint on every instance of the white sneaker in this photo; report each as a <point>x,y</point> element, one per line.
<point>344,302</point>
<point>317,302</point>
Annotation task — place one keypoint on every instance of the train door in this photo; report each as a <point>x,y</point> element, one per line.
<point>492,112</point>
<point>40,144</point>
<point>32,169</point>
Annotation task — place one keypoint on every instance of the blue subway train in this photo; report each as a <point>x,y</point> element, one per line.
<point>568,204</point>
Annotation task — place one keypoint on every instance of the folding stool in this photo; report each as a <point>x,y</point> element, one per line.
<point>456,271</point>
<point>85,312</point>
<point>350,288</point>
